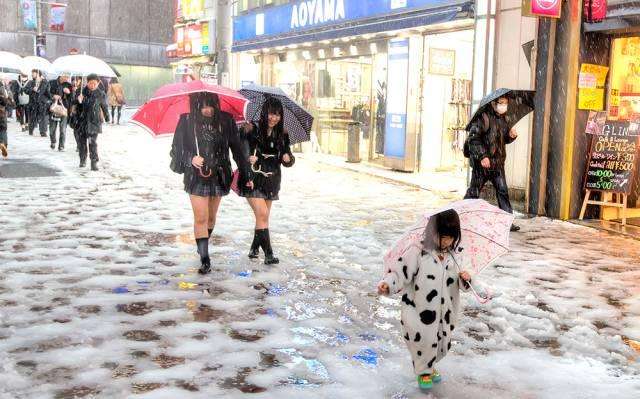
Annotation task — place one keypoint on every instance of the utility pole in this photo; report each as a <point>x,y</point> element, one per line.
<point>223,40</point>
<point>41,41</point>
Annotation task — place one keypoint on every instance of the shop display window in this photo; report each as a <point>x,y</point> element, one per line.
<point>624,83</point>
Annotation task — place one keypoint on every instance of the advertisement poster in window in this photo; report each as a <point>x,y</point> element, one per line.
<point>442,62</point>
<point>396,118</point>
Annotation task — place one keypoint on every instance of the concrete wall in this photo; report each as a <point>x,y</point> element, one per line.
<point>513,71</point>
<point>133,32</point>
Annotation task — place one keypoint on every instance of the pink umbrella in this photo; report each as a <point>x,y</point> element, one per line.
<point>161,113</point>
<point>484,233</point>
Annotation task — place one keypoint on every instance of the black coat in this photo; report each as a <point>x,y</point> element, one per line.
<point>215,151</point>
<point>269,151</point>
<point>57,88</point>
<point>92,112</point>
<point>488,138</point>
<point>39,99</point>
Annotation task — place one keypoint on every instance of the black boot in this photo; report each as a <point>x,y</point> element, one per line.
<point>203,250</point>
<point>265,243</point>
<point>515,228</point>
<point>255,246</point>
<point>210,232</point>
<point>83,163</point>
<point>94,165</point>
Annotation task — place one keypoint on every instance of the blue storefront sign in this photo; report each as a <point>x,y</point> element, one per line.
<point>288,23</point>
<point>397,87</point>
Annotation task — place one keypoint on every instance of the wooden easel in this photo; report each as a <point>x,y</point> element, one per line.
<point>619,200</point>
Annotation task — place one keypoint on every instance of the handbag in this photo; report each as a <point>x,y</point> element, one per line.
<point>58,109</point>
<point>23,99</point>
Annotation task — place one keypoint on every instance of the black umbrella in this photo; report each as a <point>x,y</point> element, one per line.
<point>520,104</point>
<point>297,121</point>
<point>528,50</point>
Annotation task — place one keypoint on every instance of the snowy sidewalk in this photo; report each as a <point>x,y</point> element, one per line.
<point>99,294</point>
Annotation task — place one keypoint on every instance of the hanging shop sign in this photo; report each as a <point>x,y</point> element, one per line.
<point>193,40</point>
<point>591,82</point>
<point>188,10</point>
<point>546,8</point>
<point>595,10</point>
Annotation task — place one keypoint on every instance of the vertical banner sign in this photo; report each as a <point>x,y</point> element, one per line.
<point>397,87</point>
<point>28,8</point>
<point>546,8</point>
<point>205,38</point>
<point>56,18</point>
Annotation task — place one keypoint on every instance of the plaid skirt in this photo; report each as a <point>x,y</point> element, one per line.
<point>258,193</point>
<point>205,188</point>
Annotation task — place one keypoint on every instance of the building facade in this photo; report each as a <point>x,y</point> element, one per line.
<point>130,35</point>
<point>409,72</point>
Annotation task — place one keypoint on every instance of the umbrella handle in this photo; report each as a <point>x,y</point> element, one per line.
<point>475,293</point>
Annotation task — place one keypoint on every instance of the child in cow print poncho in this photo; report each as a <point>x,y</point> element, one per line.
<point>430,278</point>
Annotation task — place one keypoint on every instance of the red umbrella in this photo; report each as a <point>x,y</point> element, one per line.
<point>161,113</point>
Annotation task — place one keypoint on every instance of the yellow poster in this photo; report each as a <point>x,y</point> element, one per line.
<point>591,83</point>
<point>592,99</point>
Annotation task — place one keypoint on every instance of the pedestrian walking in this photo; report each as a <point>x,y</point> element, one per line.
<point>6,101</point>
<point>92,109</point>
<point>430,276</point>
<point>22,101</point>
<point>8,83</point>
<point>74,111</point>
<point>116,99</point>
<point>489,135</point>
<point>39,100</point>
<point>269,146</point>
<point>200,151</point>
<point>61,93</point>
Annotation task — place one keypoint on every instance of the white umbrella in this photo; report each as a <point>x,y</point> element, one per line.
<point>82,65</point>
<point>10,62</point>
<point>32,62</point>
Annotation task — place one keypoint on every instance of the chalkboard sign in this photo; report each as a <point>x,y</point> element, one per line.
<point>613,159</point>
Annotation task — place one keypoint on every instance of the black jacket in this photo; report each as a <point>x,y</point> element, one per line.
<point>39,99</point>
<point>92,111</point>
<point>57,88</point>
<point>6,100</point>
<point>488,138</point>
<point>270,152</point>
<point>215,151</point>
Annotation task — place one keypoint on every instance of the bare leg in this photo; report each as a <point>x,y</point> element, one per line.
<point>260,211</point>
<point>200,206</point>
<point>214,204</point>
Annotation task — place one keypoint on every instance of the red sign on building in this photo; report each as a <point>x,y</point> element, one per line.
<point>546,8</point>
<point>595,10</point>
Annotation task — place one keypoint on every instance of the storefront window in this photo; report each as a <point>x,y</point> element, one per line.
<point>624,85</point>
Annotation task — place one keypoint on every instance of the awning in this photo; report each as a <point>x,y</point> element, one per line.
<point>412,20</point>
<point>622,16</point>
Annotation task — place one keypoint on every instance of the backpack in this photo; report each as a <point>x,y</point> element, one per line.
<point>465,149</point>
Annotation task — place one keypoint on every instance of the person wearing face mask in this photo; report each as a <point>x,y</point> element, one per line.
<point>91,105</point>
<point>488,138</point>
<point>269,147</point>
<point>200,151</point>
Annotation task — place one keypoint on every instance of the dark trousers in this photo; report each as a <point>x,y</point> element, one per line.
<point>38,117</point>
<point>113,111</point>
<point>480,176</point>
<point>53,127</point>
<point>89,143</point>
<point>4,139</point>
<point>21,115</point>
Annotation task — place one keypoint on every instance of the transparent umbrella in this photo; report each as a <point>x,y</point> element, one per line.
<point>32,62</point>
<point>10,62</point>
<point>82,65</point>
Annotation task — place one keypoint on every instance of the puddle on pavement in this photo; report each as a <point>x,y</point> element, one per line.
<point>139,354</point>
<point>187,385</point>
<point>205,313</point>
<point>88,309</point>
<point>135,309</point>
<point>141,335</point>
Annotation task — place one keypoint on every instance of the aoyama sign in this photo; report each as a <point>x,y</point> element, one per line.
<point>316,12</point>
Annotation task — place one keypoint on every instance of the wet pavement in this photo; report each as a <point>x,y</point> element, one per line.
<point>99,294</point>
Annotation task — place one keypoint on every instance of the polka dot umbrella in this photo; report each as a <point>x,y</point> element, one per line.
<point>297,121</point>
